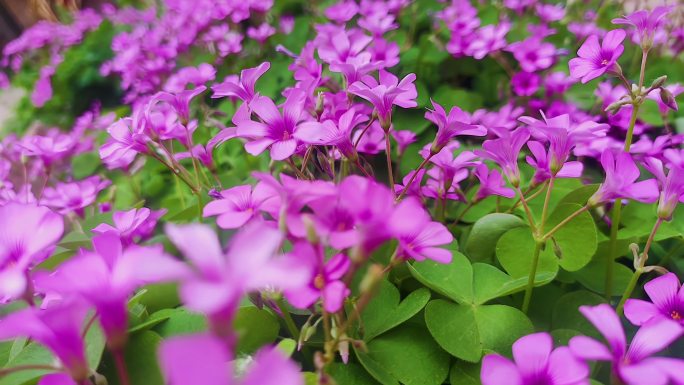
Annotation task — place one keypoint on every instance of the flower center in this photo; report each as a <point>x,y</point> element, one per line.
<point>604,62</point>
<point>319,282</point>
<point>675,315</point>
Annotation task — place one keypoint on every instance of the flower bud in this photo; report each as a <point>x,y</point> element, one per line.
<point>659,82</point>
<point>668,99</point>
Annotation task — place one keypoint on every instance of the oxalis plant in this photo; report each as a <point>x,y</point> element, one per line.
<point>383,192</point>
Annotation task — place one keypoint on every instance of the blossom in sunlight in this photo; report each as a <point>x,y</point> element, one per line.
<point>594,58</point>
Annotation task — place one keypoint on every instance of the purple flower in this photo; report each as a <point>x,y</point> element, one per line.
<point>667,297</point>
<point>671,185</point>
<point>505,150</point>
<point>240,204</point>
<point>106,278</point>
<point>550,12</point>
<point>621,176</point>
<point>491,183</point>
<point>596,59</point>
<point>387,92</point>
<point>489,39</point>
<point>28,234</point>
<point>535,363</point>
<point>242,88</point>
<point>645,23</point>
<point>126,139</point>
<point>326,282</point>
<point>330,133</point>
<point>419,237</point>
<point>131,226</point>
<point>455,123</point>
<point>205,359</point>
<point>631,364</point>
<point>59,329</point>
<point>42,90</point>
<point>261,33</point>
<point>275,130</point>
<point>540,160</point>
<point>525,83</point>
<point>342,12</point>
<point>533,54</point>
<point>222,279</point>
<point>74,196</point>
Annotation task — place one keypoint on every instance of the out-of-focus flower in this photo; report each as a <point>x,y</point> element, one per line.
<point>74,196</point>
<point>525,83</point>
<point>536,362</point>
<point>131,226</point>
<point>645,23</point>
<point>239,204</point>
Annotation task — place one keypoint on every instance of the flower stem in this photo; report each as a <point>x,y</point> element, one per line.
<point>533,274</point>
<point>528,212</point>
<point>7,371</point>
<point>612,250</point>
<point>121,369</point>
<point>413,177</point>
<point>547,199</point>
<point>639,268</point>
<point>564,222</point>
<point>289,322</point>
<point>363,132</point>
<point>388,153</point>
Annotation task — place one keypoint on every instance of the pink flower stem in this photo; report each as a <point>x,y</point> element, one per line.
<point>363,132</point>
<point>121,369</point>
<point>413,177</point>
<point>639,268</point>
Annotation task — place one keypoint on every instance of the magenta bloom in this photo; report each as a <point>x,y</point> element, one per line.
<point>222,279</point>
<point>326,283</point>
<point>667,296</point>
<point>621,176</point>
<point>28,234</point>
<point>205,359</point>
<point>385,93</point>
<point>261,33</point>
<point>240,204</point>
<point>631,364</point>
<point>275,130</point>
<point>106,278</point>
<point>131,226</point>
<point>127,139</point>
<point>505,150</point>
<point>671,185</point>
<point>59,329</point>
<point>332,134</point>
<point>525,83</point>
<point>342,11</point>
<point>419,237</point>
<point>540,160</point>
<point>533,54</point>
<point>645,23</point>
<point>74,196</point>
<point>536,362</point>
<point>455,123</point>
<point>596,59</point>
<point>491,183</point>
<point>242,88</point>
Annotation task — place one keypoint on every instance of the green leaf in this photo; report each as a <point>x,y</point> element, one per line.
<point>576,242</point>
<point>464,373</point>
<point>481,243</point>
<point>374,368</point>
<point>154,319</point>
<point>566,313</point>
<point>287,346</point>
<point>141,360</point>
<point>411,356</point>
<point>580,195</point>
<point>453,280</point>
<point>85,164</point>
<point>255,328</point>
<point>593,275</point>
<point>385,312</point>
<point>515,250</point>
<point>350,373</point>
<point>467,331</point>
<point>32,354</point>
<point>95,342</point>
<point>181,322</point>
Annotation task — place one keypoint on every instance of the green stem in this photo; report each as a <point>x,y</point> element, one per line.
<point>7,371</point>
<point>612,250</point>
<point>388,153</point>
<point>289,322</point>
<point>528,212</point>
<point>530,279</point>
<point>564,222</point>
<point>547,199</point>
<point>639,268</point>
<point>413,177</point>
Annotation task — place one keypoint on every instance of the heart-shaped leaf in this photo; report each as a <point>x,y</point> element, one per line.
<point>515,250</point>
<point>385,312</point>
<point>453,280</point>
<point>481,243</point>
<point>574,243</point>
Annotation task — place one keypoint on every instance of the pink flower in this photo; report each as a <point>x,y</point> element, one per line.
<point>28,234</point>
<point>74,196</point>
<point>59,329</point>
<point>342,11</point>
<point>242,88</point>
<point>275,130</point>
<point>505,150</point>
<point>449,126</point>
<point>488,39</point>
<point>667,301</point>
<point>540,161</point>
<point>491,183</point>
<point>419,237</point>
<point>326,282</point>
<point>621,176</point>
<point>671,185</point>
<point>631,364</point>
<point>131,226</point>
<point>107,277</point>
<point>387,92</point>
<point>126,139</point>
<point>204,359</point>
<point>645,23</point>
<point>240,204</point>
<point>533,54</point>
<point>525,83</point>
<point>535,363</point>
<point>222,279</point>
<point>261,33</point>
<point>330,133</point>
<point>596,59</point>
